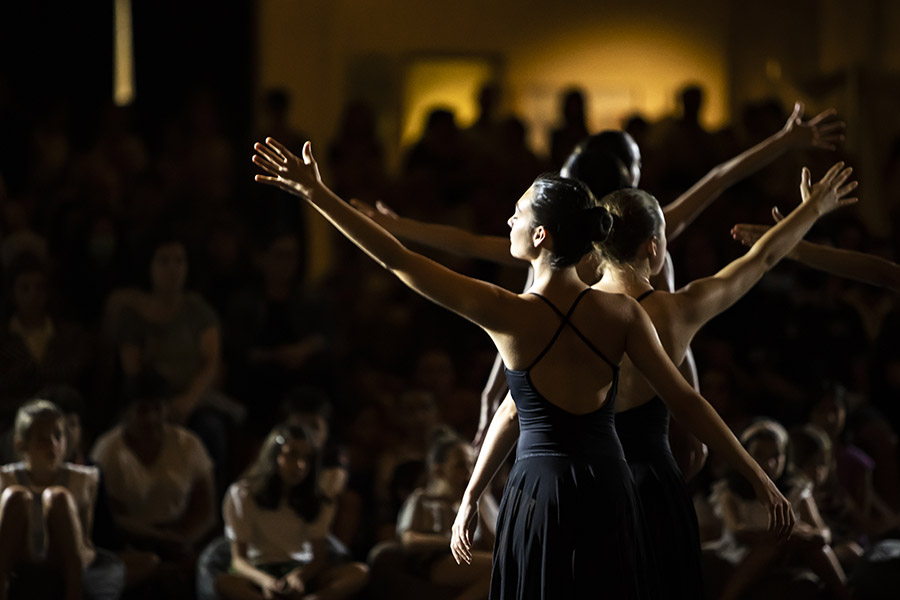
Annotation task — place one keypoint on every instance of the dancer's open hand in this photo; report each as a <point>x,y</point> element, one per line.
<point>829,192</point>
<point>286,170</point>
<point>781,517</point>
<point>824,130</point>
<point>463,531</point>
<point>748,233</point>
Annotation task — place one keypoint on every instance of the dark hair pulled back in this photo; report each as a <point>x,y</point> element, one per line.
<point>636,217</point>
<point>570,213</point>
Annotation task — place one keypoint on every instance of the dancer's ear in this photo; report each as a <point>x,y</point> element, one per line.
<point>538,236</point>
<point>653,247</point>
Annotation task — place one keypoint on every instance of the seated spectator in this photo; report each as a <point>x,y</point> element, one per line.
<point>277,518</point>
<point>849,490</point>
<point>175,333</point>
<point>311,409</point>
<point>400,467</point>
<point>813,459</point>
<point>158,476</point>
<point>426,518</point>
<point>746,540</point>
<point>277,334</point>
<point>47,506</point>
<point>37,347</point>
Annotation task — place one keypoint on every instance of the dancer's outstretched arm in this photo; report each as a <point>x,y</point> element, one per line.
<point>850,264</point>
<point>705,298</point>
<point>690,408</point>
<point>442,237</point>
<point>824,130</point>
<point>489,306</point>
<point>500,438</point>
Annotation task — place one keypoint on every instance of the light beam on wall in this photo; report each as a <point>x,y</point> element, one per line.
<point>123,54</point>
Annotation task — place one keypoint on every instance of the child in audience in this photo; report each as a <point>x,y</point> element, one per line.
<point>813,458</point>
<point>277,519</point>
<point>47,505</point>
<point>746,541</point>
<point>426,518</point>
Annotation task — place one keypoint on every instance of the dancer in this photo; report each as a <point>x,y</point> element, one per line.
<point>608,161</point>
<point>569,515</point>
<point>631,254</point>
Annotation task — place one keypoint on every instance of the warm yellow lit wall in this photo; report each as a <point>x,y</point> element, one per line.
<point>629,58</point>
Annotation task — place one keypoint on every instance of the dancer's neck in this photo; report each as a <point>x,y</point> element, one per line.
<point>631,279</point>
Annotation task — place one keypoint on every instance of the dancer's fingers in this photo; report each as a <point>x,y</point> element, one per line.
<point>280,148</point>
<point>832,172</point>
<point>805,179</point>
<point>844,190</point>
<point>826,114</point>
<point>776,214</point>
<point>265,165</point>
<point>841,177</point>
<point>269,155</point>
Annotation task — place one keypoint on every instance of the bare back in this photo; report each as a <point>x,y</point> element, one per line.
<point>571,346</point>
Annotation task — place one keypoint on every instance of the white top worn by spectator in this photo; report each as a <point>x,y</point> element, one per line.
<point>156,494</point>
<point>81,481</point>
<point>752,514</point>
<point>272,536</point>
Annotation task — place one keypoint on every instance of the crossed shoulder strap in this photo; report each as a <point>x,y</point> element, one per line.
<point>565,320</point>
<point>644,295</point>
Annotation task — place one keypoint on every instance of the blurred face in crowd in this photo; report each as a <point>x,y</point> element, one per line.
<point>830,415</point>
<point>168,270</point>
<point>457,467</point>
<point>145,420</point>
<point>281,260</point>
<point>294,461</point>
<point>769,454</point>
<point>818,468</point>
<point>30,295</point>
<point>315,424</point>
<point>417,412</point>
<point>44,447</point>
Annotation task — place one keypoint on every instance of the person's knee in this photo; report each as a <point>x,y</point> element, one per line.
<point>358,571</point>
<point>57,502</point>
<point>16,499</point>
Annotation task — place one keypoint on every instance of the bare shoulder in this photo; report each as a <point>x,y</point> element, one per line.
<point>618,306</point>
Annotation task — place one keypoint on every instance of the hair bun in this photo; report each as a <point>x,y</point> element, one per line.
<point>598,223</point>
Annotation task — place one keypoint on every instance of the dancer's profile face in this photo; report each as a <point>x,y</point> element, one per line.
<point>658,261</point>
<point>521,228</point>
<point>635,166</point>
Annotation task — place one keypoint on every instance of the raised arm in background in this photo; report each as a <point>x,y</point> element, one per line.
<point>824,130</point>
<point>850,264</point>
